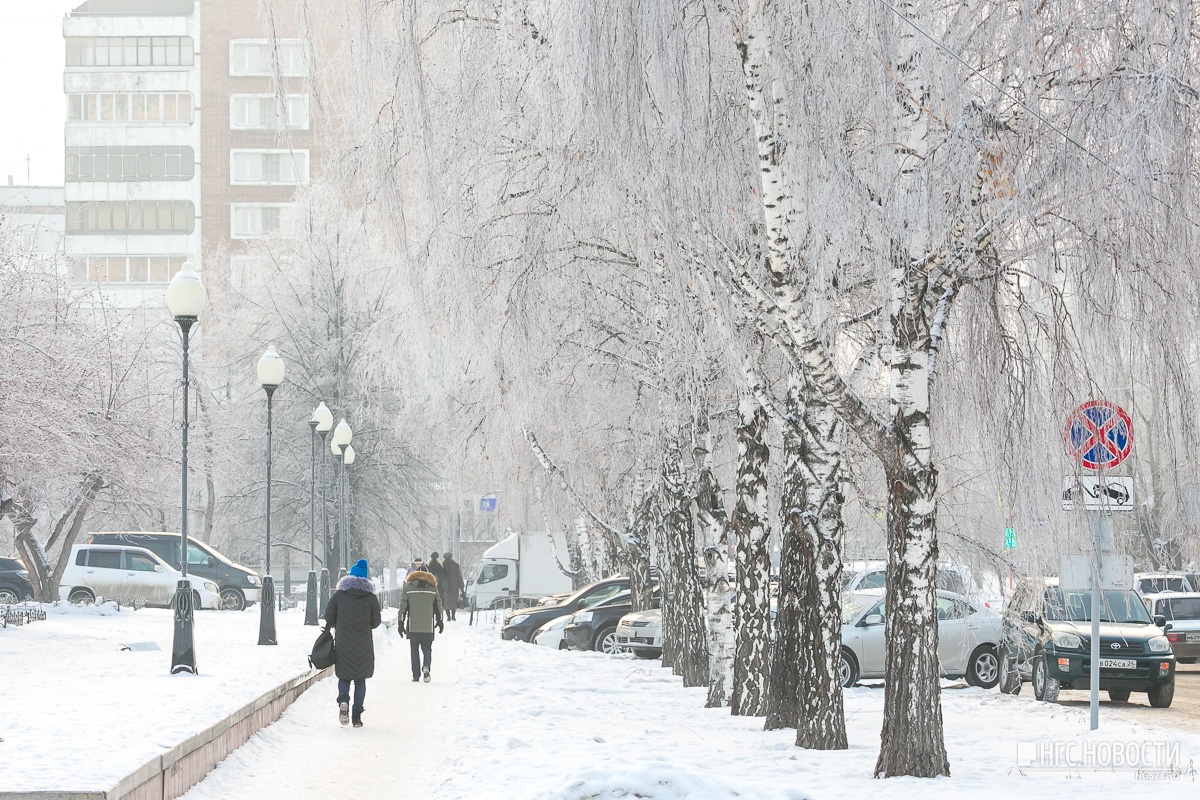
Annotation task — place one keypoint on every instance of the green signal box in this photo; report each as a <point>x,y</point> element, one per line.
<point>1010,538</point>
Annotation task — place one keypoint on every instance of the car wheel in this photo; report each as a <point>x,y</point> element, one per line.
<point>196,606</point>
<point>1161,696</point>
<point>983,668</point>
<point>1009,676</point>
<point>1118,695</point>
<point>1045,688</point>
<point>848,669</point>
<point>606,642</point>
<point>81,597</point>
<point>562,644</point>
<point>646,653</point>
<point>8,596</point>
<point>232,600</point>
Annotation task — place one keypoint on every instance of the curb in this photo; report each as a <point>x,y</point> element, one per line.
<point>170,775</point>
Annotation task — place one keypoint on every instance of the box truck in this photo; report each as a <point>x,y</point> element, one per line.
<point>525,566</point>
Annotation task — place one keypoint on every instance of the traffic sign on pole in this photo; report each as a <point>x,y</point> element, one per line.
<point>1010,538</point>
<point>1099,435</point>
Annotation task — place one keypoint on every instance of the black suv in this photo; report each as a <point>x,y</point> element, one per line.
<point>523,623</point>
<point>239,585</point>
<point>1047,638</point>
<point>14,582</point>
<point>595,627</point>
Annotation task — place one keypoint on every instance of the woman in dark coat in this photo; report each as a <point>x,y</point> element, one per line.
<point>353,612</point>
<point>451,585</point>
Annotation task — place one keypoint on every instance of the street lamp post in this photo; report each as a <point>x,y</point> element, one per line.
<point>270,375</point>
<point>347,460</point>
<point>321,422</point>
<point>342,435</point>
<point>185,299</point>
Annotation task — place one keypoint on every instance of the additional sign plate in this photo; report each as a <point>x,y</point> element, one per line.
<point>1099,435</point>
<point>1118,663</point>
<point>1075,572</point>
<point>488,503</point>
<point>1098,493</point>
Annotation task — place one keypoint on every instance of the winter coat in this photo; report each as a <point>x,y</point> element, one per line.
<point>437,570</point>
<point>420,605</point>
<point>353,611</point>
<point>452,585</point>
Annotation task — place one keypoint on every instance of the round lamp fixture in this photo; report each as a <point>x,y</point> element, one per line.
<point>342,433</point>
<point>348,456</point>
<point>270,368</point>
<point>323,417</point>
<point>185,293</point>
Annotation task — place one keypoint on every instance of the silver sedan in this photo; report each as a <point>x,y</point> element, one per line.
<point>967,639</point>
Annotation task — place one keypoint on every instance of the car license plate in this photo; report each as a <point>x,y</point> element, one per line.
<point>1118,663</point>
<point>1192,638</point>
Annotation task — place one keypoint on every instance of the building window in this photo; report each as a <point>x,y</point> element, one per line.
<point>131,216</point>
<point>126,269</point>
<point>168,163</point>
<point>130,51</point>
<point>263,112</point>
<point>256,56</point>
<point>258,220</point>
<point>130,107</point>
<point>266,167</point>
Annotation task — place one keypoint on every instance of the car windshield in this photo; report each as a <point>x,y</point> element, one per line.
<point>1115,606</point>
<point>1161,584</point>
<point>1178,607</point>
<point>620,599</point>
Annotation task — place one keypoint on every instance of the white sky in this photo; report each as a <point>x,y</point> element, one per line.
<point>31,90</point>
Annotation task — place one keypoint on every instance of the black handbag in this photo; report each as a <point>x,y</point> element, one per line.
<point>324,652</point>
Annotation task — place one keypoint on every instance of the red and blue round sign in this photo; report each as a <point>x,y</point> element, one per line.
<point>1099,435</point>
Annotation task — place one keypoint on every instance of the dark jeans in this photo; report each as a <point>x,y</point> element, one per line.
<point>420,644</point>
<point>360,693</point>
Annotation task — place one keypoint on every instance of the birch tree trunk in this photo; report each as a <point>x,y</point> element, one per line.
<point>716,565</point>
<point>783,687</point>
<point>752,614</point>
<point>681,590</point>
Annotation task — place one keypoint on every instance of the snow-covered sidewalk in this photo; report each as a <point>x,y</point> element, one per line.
<point>80,712</point>
<point>508,720</point>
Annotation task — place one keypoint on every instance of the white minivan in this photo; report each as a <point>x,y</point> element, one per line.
<point>112,571</point>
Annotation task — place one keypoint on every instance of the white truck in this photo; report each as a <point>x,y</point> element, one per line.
<point>524,566</point>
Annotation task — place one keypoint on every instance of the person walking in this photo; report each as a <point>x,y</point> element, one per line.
<point>353,612</point>
<point>436,569</point>
<point>420,612</point>
<point>452,585</point>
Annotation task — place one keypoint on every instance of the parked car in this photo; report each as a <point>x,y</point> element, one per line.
<point>1158,582</point>
<point>967,639</point>
<point>239,585</point>
<point>112,571</point>
<point>641,632</point>
<point>1182,613</point>
<point>1047,639</point>
<point>523,623</point>
<point>595,627</point>
<point>14,581</point>
<point>551,634</point>
<point>950,578</point>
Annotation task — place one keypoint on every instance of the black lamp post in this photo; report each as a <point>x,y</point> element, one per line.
<point>270,375</point>
<point>185,299</point>
<point>321,422</point>
<point>342,435</point>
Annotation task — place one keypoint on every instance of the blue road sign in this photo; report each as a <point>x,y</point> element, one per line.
<point>488,503</point>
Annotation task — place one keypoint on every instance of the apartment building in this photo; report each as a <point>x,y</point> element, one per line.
<point>188,134</point>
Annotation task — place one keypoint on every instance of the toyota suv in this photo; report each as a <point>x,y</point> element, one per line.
<point>1047,639</point>
<point>239,585</point>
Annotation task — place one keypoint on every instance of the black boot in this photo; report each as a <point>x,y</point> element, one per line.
<point>357,718</point>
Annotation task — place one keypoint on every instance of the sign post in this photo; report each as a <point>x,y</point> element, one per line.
<point>1098,436</point>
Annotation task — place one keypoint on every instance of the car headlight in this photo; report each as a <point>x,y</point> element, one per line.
<point>561,622</point>
<point>1067,641</point>
<point>518,619</point>
<point>583,616</point>
<point>1160,644</point>
<point>212,587</point>
<point>252,580</point>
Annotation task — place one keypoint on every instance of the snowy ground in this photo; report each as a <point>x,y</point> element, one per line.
<point>508,720</point>
<point>77,712</point>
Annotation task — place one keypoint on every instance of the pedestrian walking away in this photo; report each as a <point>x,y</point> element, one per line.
<point>435,568</point>
<point>452,585</point>
<point>353,612</point>
<point>420,613</point>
